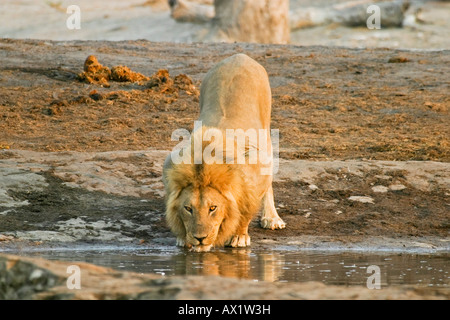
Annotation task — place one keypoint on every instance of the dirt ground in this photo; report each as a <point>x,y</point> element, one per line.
<point>328,103</point>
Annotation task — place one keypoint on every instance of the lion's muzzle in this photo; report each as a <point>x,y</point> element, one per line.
<point>200,239</point>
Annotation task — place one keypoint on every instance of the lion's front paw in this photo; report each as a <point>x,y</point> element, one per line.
<point>181,242</point>
<point>273,223</point>
<point>239,241</point>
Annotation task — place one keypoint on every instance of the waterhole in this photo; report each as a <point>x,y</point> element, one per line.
<point>329,267</point>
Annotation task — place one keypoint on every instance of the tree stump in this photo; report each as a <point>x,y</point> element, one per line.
<point>261,21</point>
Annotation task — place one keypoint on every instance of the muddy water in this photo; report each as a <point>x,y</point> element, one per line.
<point>329,267</point>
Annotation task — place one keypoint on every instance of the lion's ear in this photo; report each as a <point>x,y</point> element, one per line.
<point>233,203</point>
<point>230,197</point>
<point>174,194</point>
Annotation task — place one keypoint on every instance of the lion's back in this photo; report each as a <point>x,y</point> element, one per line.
<point>235,93</point>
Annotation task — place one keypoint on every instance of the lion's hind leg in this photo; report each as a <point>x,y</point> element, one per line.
<point>269,217</point>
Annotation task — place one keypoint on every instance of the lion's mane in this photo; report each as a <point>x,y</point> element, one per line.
<point>227,179</point>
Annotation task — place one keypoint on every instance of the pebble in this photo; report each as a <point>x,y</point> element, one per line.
<point>363,199</point>
<point>383,177</point>
<point>396,187</point>
<point>380,189</point>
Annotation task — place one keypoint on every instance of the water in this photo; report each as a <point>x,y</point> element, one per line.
<point>329,267</point>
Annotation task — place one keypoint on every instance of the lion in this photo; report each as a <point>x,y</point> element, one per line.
<point>211,204</point>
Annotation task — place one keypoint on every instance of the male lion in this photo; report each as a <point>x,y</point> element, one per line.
<point>212,203</point>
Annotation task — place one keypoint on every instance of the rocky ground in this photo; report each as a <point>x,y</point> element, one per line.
<point>118,197</point>
<point>364,146</point>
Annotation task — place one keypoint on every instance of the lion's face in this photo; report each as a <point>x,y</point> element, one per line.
<point>202,212</point>
<point>206,203</point>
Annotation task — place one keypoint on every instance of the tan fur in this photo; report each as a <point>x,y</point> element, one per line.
<point>235,94</point>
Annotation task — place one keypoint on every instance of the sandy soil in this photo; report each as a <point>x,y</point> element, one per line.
<point>328,103</point>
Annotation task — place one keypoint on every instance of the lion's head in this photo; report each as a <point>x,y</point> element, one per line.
<point>205,203</point>
<point>202,212</point>
<point>202,207</point>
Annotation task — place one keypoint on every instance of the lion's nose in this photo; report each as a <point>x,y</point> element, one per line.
<point>200,239</point>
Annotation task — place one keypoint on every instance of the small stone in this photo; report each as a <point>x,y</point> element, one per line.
<point>383,177</point>
<point>396,187</point>
<point>313,187</point>
<point>338,212</point>
<point>380,189</point>
<point>36,274</point>
<point>307,214</point>
<point>362,199</point>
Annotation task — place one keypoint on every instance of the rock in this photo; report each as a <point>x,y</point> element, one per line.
<point>362,199</point>
<point>396,187</point>
<point>15,180</point>
<point>421,175</point>
<point>380,189</point>
<point>20,279</point>
<point>383,177</point>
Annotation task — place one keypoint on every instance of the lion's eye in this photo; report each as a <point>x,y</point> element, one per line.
<point>212,208</point>
<point>188,209</point>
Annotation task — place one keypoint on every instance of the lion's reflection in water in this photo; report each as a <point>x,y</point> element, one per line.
<point>236,263</point>
<point>335,267</point>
